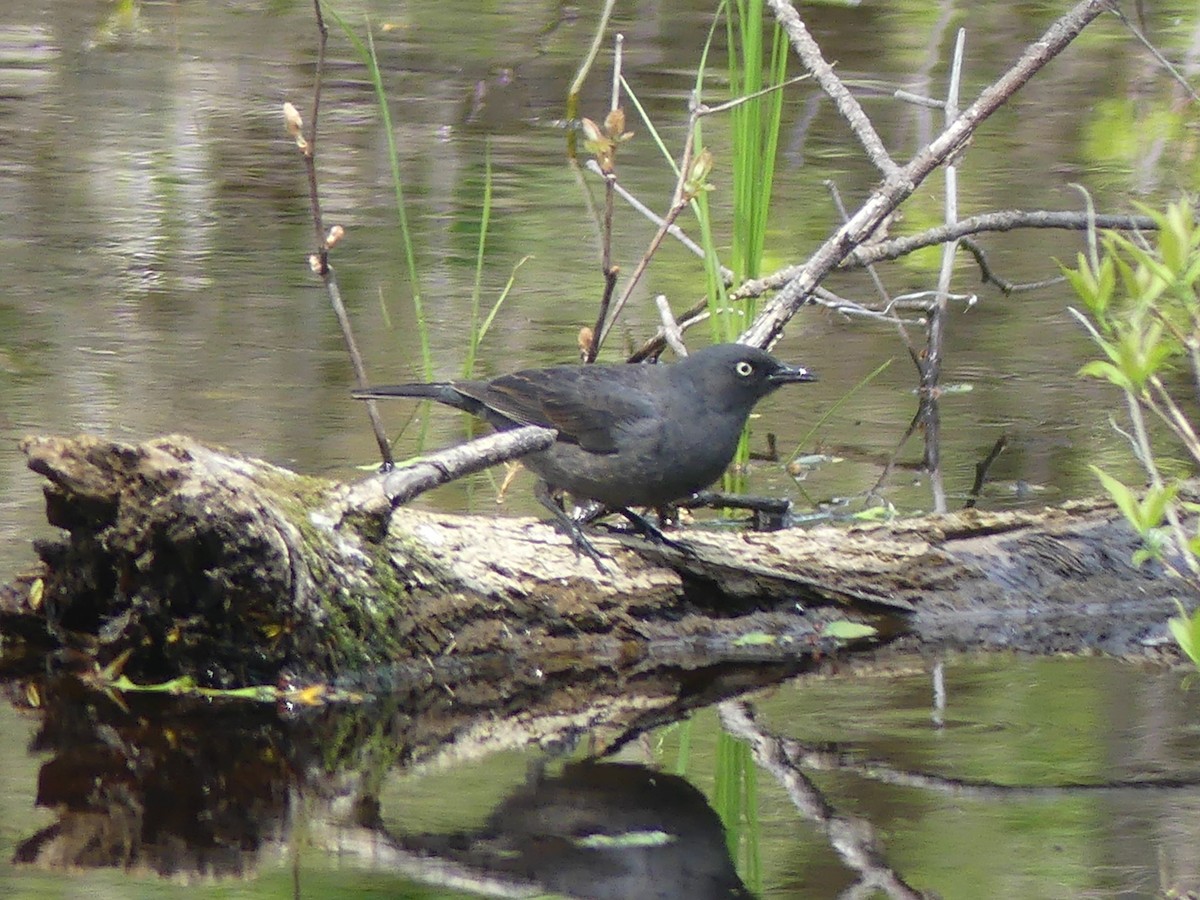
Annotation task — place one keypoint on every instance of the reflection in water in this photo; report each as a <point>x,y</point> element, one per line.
<point>182,792</point>
<point>603,830</point>
<point>181,789</point>
<point>1018,786</point>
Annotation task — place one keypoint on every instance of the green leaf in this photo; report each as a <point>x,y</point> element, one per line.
<point>1121,495</point>
<point>755,639</point>
<point>1083,282</point>
<point>845,630</point>
<point>883,513</point>
<point>1154,504</point>
<point>1186,631</point>
<point>1108,372</point>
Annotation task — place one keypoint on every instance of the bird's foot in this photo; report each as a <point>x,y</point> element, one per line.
<point>571,528</point>
<point>581,544</point>
<point>653,533</point>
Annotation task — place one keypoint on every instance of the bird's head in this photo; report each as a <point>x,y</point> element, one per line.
<point>738,375</point>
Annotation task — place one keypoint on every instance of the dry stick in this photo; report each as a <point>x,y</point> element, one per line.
<point>587,341</point>
<point>836,195</point>
<point>922,78</point>
<point>852,838</point>
<point>931,371</point>
<point>672,333</point>
<point>999,221</point>
<point>320,260</point>
<point>606,265</point>
<point>679,203</point>
<point>677,207</point>
<point>981,471</point>
<point>683,196</point>
<point>913,354</point>
<point>900,184</point>
<point>988,276</point>
<point>673,230</point>
<point>1157,54</point>
<point>401,485</point>
<point>822,71</point>
<point>687,185</point>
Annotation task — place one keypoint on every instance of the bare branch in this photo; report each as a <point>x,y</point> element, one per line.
<point>899,186</point>
<point>1003,220</point>
<point>403,484</point>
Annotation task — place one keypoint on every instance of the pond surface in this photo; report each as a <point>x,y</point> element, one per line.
<point>154,218</point>
<point>1035,778</point>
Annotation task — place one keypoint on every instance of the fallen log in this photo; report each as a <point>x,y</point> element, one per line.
<point>182,559</point>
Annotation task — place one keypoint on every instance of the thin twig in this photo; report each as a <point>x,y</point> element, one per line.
<point>608,170</point>
<point>931,369</point>
<point>890,466</point>
<point>592,350</point>
<point>916,99</point>
<point>655,242</point>
<point>810,54</point>
<point>981,471</point>
<point>670,328</point>
<point>679,202</point>
<point>704,110</point>
<point>673,230</point>
<point>1154,51</point>
<point>324,241</point>
<point>987,275</point>
<point>875,279</point>
<point>618,57</point>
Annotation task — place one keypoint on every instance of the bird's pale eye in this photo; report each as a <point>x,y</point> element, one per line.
<point>743,368</point>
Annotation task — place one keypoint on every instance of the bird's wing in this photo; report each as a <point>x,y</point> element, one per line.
<point>587,406</point>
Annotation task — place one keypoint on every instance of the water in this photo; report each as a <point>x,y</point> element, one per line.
<point>1038,778</point>
<point>155,227</point>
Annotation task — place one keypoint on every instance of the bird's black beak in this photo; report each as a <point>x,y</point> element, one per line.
<point>791,374</point>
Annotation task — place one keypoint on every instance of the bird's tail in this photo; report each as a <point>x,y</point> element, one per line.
<point>441,391</point>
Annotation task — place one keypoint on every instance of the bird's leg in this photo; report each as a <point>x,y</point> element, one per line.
<point>652,532</point>
<point>579,541</point>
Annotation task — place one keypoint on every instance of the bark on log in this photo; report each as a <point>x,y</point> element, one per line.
<point>196,561</point>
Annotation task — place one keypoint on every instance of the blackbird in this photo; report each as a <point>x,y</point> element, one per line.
<point>628,435</point>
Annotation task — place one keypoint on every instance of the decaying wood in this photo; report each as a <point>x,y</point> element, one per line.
<point>198,561</point>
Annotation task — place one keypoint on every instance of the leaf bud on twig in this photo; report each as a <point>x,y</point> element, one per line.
<point>295,125</point>
<point>585,339</point>
<point>698,173</point>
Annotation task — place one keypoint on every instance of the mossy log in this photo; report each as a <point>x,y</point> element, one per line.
<point>182,559</point>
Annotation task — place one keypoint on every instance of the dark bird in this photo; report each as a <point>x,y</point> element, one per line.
<point>628,435</point>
